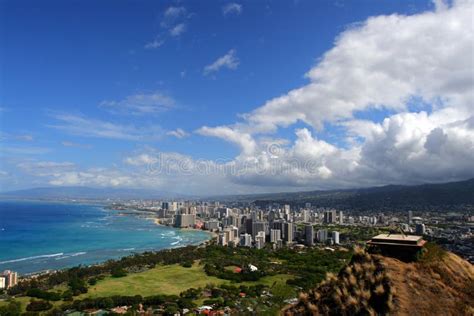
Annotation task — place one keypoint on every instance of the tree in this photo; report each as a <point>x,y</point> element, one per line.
<point>38,306</point>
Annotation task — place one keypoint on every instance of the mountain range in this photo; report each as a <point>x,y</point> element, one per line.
<point>451,195</point>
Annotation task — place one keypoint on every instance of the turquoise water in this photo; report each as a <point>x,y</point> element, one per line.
<point>36,236</point>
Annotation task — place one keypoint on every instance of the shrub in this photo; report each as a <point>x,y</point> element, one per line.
<point>38,306</point>
<point>118,273</point>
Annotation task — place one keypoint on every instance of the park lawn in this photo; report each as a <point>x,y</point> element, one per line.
<point>169,279</point>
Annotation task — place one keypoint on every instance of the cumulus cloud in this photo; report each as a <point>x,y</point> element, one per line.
<point>140,104</point>
<point>243,140</point>
<point>416,70</point>
<point>384,64</point>
<point>229,61</point>
<point>381,63</point>
<point>232,8</point>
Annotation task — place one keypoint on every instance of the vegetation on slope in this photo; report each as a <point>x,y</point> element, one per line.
<point>438,283</point>
<point>361,288</point>
<point>160,280</point>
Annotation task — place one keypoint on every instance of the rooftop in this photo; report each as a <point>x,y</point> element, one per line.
<point>397,239</point>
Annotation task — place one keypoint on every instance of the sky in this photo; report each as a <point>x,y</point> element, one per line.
<point>222,97</point>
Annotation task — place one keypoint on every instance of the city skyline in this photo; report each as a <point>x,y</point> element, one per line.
<point>236,97</point>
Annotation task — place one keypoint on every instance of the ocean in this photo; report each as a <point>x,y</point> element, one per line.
<point>37,236</point>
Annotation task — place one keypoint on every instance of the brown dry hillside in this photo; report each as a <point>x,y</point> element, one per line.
<point>443,287</point>
<point>440,283</point>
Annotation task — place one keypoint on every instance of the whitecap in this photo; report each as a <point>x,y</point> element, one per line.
<point>33,258</point>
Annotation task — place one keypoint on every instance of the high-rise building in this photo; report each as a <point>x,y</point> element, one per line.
<point>322,235</point>
<point>3,282</point>
<point>246,240</point>
<point>335,237</point>
<point>184,220</point>
<point>211,224</point>
<point>420,229</point>
<point>309,235</point>
<point>258,227</point>
<point>410,217</point>
<point>330,217</point>
<point>260,240</point>
<point>11,278</point>
<point>275,235</point>
<point>305,216</point>
<point>288,232</point>
<point>341,218</point>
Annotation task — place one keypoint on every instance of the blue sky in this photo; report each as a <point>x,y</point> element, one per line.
<point>88,84</point>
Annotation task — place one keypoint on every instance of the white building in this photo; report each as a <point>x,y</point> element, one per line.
<point>260,240</point>
<point>335,237</point>
<point>322,235</point>
<point>246,240</point>
<point>275,235</point>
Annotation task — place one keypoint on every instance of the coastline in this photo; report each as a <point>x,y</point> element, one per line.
<point>213,235</point>
<point>96,257</point>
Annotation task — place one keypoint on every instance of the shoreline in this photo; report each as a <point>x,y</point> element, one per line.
<point>211,233</point>
<point>47,271</point>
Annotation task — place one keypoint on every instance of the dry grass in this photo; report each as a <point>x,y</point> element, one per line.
<point>360,288</point>
<point>440,283</point>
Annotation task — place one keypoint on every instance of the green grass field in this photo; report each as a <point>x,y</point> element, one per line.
<point>172,279</point>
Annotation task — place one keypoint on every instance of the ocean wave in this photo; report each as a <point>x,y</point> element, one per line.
<point>33,258</point>
<point>126,249</point>
<point>70,255</point>
<point>175,243</point>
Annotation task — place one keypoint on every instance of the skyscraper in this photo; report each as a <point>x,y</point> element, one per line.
<point>275,235</point>
<point>322,235</point>
<point>330,216</point>
<point>335,237</point>
<point>288,232</point>
<point>309,235</point>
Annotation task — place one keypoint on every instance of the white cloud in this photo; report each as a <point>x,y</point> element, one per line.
<point>244,141</point>
<point>232,8</point>
<point>384,63</point>
<point>229,61</point>
<point>25,137</point>
<point>174,12</point>
<point>87,127</point>
<point>178,133</point>
<point>178,29</point>
<point>25,150</point>
<point>142,159</point>
<point>73,144</point>
<point>156,43</point>
<point>140,104</point>
<point>381,63</point>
